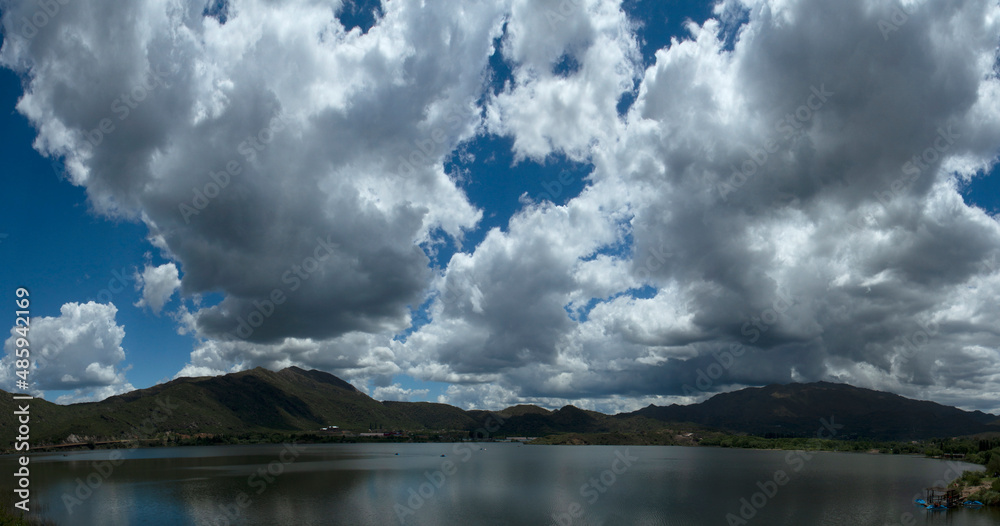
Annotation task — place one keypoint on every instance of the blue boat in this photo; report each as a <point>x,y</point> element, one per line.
<point>972,504</point>
<point>921,502</point>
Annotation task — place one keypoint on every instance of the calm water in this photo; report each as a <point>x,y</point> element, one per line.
<point>358,484</point>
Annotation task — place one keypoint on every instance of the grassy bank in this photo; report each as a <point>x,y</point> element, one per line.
<point>976,485</point>
<point>983,486</point>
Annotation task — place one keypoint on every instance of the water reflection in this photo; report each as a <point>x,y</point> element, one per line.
<point>414,484</point>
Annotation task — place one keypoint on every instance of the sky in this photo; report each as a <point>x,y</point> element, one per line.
<point>605,203</point>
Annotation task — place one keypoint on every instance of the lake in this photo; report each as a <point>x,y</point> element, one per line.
<point>486,484</point>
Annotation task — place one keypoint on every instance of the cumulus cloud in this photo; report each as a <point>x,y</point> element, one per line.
<point>398,393</point>
<point>573,61</point>
<point>478,396</point>
<point>158,284</point>
<point>79,351</point>
<point>785,188</point>
<point>793,195</point>
<point>253,147</point>
<point>834,213</point>
<point>356,356</point>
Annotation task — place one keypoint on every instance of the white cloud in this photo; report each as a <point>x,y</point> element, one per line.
<point>398,393</point>
<point>571,66</point>
<point>355,357</point>
<point>819,218</point>
<point>811,161</point>
<point>158,284</point>
<point>80,351</point>
<point>481,396</point>
<point>250,149</point>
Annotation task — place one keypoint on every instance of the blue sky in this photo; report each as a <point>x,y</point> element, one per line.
<point>62,252</point>
<point>571,246</point>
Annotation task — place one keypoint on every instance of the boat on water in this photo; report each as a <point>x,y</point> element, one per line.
<point>938,499</point>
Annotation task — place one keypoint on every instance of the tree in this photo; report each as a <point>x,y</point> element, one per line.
<point>993,466</point>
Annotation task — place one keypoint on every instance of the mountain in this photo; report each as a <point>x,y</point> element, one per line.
<point>521,421</point>
<point>521,410</point>
<point>294,399</point>
<point>256,400</point>
<point>797,410</point>
<point>429,415</point>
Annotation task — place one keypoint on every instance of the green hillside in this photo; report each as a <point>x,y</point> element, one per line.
<point>257,400</point>
<point>295,400</point>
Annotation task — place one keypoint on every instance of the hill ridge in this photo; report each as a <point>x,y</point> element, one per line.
<point>295,399</point>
